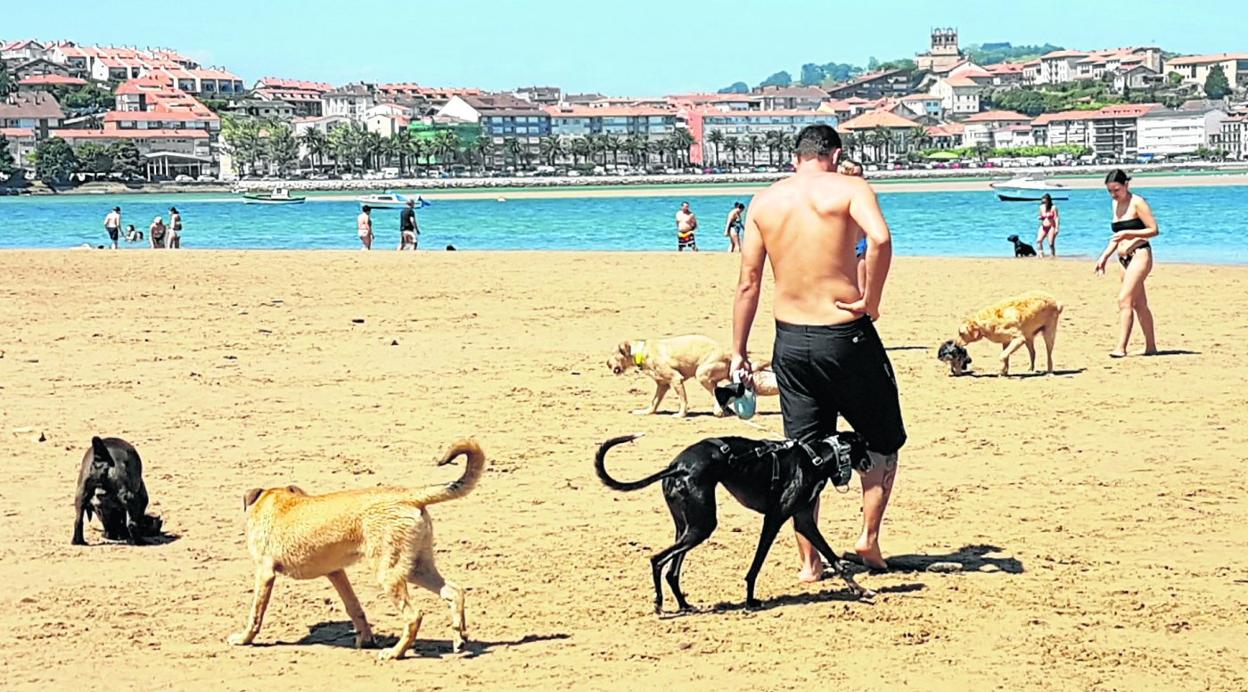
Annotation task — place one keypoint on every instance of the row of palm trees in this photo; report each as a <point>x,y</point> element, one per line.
<point>348,147</point>
<point>269,146</point>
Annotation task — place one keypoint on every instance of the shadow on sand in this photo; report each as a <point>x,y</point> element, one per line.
<point>342,634</point>
<point>1026,375</point>
<point>969,558</point>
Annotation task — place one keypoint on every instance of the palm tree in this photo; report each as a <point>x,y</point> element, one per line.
<point>773,140</point>
<point>344,141</point>
<point>583,147</point>
<point>446,143</point>
<point>753,144</point>
<point>418,148</point>
<point>243,138</point>
<point>637,146</point>
<point>512,146</point>
<point>788,144</point>
<point>732,144</point>
<point>614,144</point>
<point>849,142</point>
<point>483,146</point>
<point>716,137</point>
<point>370,149</point>
<point>551,148</point>
<point>919,139</point>
<point>316,144</point>
<point>683,140</point>
<point>401,147</point>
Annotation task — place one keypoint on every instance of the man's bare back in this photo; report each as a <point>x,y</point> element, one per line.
<point>808,225</point>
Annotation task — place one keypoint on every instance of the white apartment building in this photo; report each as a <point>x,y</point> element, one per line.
<point>1195,68</point>
<point>1165,132</point>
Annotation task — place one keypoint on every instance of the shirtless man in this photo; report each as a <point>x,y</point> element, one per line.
<point>686,224</point>
<point>828,358</point>
<point>364,226</point>
<point>112,225</point>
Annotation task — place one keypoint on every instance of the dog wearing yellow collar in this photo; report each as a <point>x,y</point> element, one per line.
<point>669,362</point>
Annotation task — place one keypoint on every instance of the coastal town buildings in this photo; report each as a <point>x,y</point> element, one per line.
<point>31,110</point>
<point>707,125</point>
<point>958,95</point>
<point>1167,132</point>
<point>1195,69</point>
<point>993,128</point>
<point>1234,137</point>
<point>303,96</point>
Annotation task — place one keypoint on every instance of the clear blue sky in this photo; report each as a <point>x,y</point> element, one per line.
<point>624,47</point>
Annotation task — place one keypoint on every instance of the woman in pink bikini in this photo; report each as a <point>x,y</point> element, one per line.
<point>1050,225</point>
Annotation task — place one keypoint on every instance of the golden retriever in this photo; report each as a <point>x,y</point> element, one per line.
<point>669,362</point>
<point>1015,323</point>
<point>308,536</point>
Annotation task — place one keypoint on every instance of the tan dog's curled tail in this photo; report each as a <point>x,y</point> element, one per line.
<point>465,483</point>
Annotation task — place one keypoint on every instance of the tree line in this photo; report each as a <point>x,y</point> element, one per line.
<point>261,146</point>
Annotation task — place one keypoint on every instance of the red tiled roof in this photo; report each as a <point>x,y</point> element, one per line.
<point>997,116</point>
<point>1207,59</point>
<point>1005,68</point>
<point>1063,54</point>
<point>160,115</point>
<point>17,132</point>
<point>611,112</point>
<point>282,83</point>
<point>874,119</point>
<point>130,134</point>
<point>961,81</point>
<point>1046,118</point>
<point>51,80</point>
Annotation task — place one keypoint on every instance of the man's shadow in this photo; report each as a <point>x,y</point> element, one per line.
<point>1026,375</point>
<point>968,558</point>
<point>342,634</point>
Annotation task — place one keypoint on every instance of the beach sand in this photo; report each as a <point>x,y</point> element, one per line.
<point>1098,516</point>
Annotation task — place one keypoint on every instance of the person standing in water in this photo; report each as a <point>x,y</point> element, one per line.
<point>112,225</point>
<point>1133,225</point>
<point>175,229</point>
<point>364,226</point>
<point>408,231</point>
<point>686,225</point>
<point>1050,226</point>
<point>736,224</point>
<point>156,233</point>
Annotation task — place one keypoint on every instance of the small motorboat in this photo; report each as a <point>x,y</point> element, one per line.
<point>1027,183</point>
<point>278,196</point>
<point>385,200</point>
<point>1019,198</point>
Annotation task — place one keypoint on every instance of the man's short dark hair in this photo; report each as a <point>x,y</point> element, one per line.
<point>816,140</point>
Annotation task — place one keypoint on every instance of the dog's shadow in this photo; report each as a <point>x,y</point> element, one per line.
<point>968,558</point>
<point>1026,375</point>
<point>838,594</point>
<point>709,414</point>
<point>342,634</point>
<point>145,542</point>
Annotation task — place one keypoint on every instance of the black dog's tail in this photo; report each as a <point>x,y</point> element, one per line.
<point>600,465</point>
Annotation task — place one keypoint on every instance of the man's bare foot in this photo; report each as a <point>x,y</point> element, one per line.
<point>1146,352</point>
<point>811,573</point>
<point>870,555</point>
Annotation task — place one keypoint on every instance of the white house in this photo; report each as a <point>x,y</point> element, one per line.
<point>1165,132</point>
<point>981,128</point>
<point>958,95</point>
<point>1195,69</point>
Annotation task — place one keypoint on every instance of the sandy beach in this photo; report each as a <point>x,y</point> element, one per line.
<point>1096,517</point>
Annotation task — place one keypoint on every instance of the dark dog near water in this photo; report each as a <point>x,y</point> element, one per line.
<point>1021,249</point>
<point>956,356</point>
<point>110,484</point>
<point>776,479</point>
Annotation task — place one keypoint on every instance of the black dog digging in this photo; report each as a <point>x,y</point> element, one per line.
<point>776,479</point>
<point>110,484</point>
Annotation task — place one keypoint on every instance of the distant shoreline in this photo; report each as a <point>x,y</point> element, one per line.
<point>946,180</point>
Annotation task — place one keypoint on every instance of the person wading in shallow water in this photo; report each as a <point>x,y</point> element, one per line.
<point>828,358</point>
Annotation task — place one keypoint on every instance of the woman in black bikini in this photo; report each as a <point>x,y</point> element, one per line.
<point>1133,224</point>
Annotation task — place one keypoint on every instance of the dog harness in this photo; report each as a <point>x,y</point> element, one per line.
<point>771,448</point>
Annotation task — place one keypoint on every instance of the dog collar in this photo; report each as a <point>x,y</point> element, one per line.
<point>639,359</point>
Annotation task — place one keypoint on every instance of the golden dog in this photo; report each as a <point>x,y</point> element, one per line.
<point>307,536</point>
<point>1015,323</point>
<point>669,362</point>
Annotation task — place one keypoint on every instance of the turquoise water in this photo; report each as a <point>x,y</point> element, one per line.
<point>1199,224</point>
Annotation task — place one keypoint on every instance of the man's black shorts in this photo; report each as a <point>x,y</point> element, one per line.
<point>112,233</point>
<point>841,369</point>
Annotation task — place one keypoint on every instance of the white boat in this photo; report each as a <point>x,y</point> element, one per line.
<point>385,200</point>
<point>1027,183</point>
<point>279,196</point>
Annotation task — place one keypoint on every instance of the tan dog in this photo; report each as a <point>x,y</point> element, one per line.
<point>307,536</point>
<point>669,362</point>
<point>1015,323</point>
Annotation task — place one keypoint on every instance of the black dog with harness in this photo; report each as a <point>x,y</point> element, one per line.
<point>780,480</point>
